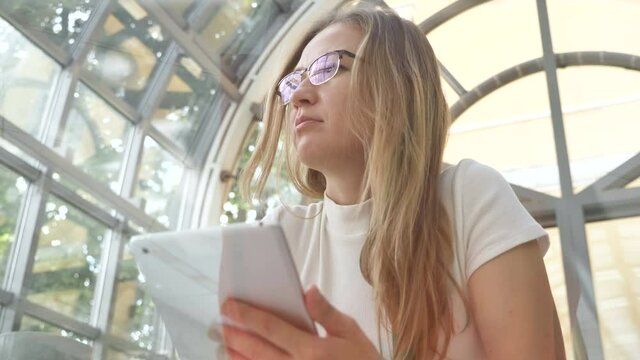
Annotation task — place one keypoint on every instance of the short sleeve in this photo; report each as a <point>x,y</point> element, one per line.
<point>494,219</point>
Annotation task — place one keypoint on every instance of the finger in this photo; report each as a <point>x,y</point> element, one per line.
<point>335,322</point>
<point>250,346</point>
<point>215,333</point>
<point>268,326</point>
<point>234,355</point>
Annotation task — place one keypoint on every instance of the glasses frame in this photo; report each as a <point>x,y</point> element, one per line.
<point>341,53</point>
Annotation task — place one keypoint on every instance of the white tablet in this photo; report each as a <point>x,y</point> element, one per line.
<point>190,273</point>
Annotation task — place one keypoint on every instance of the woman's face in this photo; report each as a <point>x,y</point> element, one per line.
<point>323,142</point>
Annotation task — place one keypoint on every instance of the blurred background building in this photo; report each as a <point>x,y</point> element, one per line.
<point>119,117</point>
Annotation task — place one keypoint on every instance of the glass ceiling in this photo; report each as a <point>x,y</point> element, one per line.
<point>125,116</point>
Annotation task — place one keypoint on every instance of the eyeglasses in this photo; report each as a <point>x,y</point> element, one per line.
<point>319,72</point>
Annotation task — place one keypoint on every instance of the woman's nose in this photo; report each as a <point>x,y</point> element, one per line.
<point>304,94</point>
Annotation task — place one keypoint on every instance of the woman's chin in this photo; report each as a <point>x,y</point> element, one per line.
<point>311,156</point>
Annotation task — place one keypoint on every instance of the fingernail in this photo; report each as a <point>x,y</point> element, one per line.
<point>214,333</point>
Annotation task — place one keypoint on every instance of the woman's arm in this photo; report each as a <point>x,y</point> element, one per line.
<point>513,308</point>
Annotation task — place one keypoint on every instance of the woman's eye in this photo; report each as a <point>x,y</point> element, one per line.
<point>325,70</point>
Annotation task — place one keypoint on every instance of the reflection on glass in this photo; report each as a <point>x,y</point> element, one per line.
<point>184,103</point>
<point>181,8</point>
<point>95,137</point>
<point>555,271</point>
<point>67,260</point>
<point>26,77</point>
<point>29,323</point>
<point>159,179</point>
<point>132,314</point>
<point>239,30</point>
<point>60,21</point>
<point>129,48</point>
<point>601,122</point>
<point>614,251</point>
<point>12,189</point>
<point>511,131</point>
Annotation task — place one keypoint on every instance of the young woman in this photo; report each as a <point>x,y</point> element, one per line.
<point>404,257</point>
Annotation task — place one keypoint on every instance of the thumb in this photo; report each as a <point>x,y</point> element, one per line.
<point>335,322</point>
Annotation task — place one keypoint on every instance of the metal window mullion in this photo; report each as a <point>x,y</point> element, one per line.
<point>451,80</point>
<point>210,125</point>
<point>169,146</point>
<point>158,83</point>
<point>6,298</point>
<point>618,177</point>
<point>58,111</point>
<point>202,12</point>
<point>45,314</point>
<point>610,204</point>
<point>105,286</point>
<point>189,197</point>
<point>88,208</point>
<point>126,346</point>
<point>106,93</point>
<point>29,145</point>
<point>21,257</point>
<point>19,166</point>
<point>133,159</point>
<point>186,40</point>
<point>210,185</point>
<point>90,32</point>
<point>58,53</point>
<point>569,213</point>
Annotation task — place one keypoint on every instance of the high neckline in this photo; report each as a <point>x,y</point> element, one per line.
<point>347,219</point>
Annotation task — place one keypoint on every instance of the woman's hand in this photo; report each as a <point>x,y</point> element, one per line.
<point>277,339</point>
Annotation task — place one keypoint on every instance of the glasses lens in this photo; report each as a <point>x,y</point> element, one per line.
<point>324,68</point>
<point>288,85</point>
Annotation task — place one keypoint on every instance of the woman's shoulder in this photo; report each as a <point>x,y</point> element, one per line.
<point>285,213</point>
<point>470,174</point>
<point>468,168</point>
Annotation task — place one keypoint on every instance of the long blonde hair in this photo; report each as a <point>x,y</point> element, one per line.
<point>399,113</point>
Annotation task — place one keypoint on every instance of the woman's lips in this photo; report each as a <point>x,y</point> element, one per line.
<point>304,121</point>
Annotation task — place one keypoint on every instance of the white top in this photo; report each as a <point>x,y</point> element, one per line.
<point>326,241</point>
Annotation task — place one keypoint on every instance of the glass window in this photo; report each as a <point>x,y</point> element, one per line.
<point>67,260</point>
<point>29,323</point>
<point>279,189</point>
<point>417,11</point>
<point>60,21</point>
<point>187,97</point>
<point>602,25</point>
<point>95,137</point>
<point>133,312</point>
<point>238,32</point>
<point>12,190</point>
<point>25,80</point>
<point>179,8</point>
<point>128,49</point>
<point>159,180</point>
<point>474,48</point>
<point>601,122</point>
<point>615,263</point>
<point>513,135</point>
<point>116,354</point>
